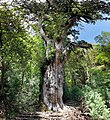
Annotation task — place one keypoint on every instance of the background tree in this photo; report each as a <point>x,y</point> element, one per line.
<point>103,48</point>
<point>55,21</point>
<point>9,37</point>
<point>20,57</point>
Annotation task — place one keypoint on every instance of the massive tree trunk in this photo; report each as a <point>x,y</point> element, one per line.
<point>53,81</point>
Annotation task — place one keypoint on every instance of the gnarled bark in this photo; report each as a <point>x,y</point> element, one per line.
<point>53,88</point>
<point>53,82</point>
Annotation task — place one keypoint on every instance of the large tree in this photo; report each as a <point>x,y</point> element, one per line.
<point>55,20</point>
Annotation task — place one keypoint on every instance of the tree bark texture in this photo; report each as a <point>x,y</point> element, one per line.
<point>53,82</point>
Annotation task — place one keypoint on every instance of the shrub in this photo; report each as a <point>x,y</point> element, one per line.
<point>96,104</point>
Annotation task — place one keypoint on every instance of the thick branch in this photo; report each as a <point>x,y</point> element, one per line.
<point>71,22</point>
<point>82,44</point>
<point>42,32</point>
<point>72,45</point>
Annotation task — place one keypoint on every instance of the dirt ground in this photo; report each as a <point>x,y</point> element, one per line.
<point>72,111</point>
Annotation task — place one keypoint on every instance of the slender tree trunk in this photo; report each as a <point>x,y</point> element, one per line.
<point>53,82</point>
<point>3,78</point>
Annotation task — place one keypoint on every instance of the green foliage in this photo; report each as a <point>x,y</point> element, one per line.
<point>104,38</point>
<point>51,53</point>
<point>22,87</point>
<point>22,56</point>
<point>72,93</point>
<point>76,67</point>
<point>53,24</point>
<point>103,49</point>
<point>75,74</point>
<point>96,104</point>
<point>99,80</point>
<point>77,93</point>
<point>23,77</point>
<point>95,90</point>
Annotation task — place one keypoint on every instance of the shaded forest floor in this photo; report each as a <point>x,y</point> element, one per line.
<point>72,112</point>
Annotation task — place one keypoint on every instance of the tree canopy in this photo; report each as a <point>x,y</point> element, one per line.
<point>58,17</point>
<point>103,48</point>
